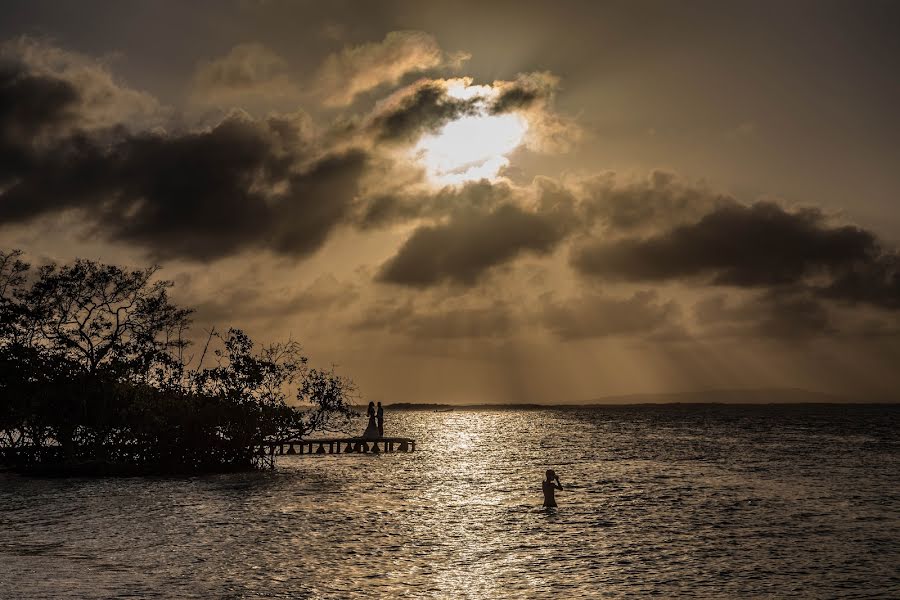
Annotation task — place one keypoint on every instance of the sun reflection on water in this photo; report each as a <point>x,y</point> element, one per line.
<point>656,502</point>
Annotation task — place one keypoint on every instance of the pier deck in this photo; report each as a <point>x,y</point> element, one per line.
<point>350,445</point>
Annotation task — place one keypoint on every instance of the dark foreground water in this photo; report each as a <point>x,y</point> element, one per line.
<point>718,502</point>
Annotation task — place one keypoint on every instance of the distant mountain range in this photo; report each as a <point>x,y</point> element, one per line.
<point>728,396</point>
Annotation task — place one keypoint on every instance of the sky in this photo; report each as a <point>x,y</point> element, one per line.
<point>481,201</point>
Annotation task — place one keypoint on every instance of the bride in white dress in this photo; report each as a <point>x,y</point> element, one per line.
<point>371,432</point>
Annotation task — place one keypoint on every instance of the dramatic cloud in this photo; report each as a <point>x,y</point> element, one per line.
<point>30,106</point>
<point>358,69</point>
<point>597,315</point>
<point>249,73</point>
<point>461,250</point>
<point>524,92</point>
<point>875,281</point>
<point>194,194</point>
<point>460,131</point>
<point>643,206</point>
<point>532,95</point>
<point>244,182</point>
<point>99,102</point>
<point>278,184</point>
<point>421,107</point>
<point>761,245</point>
<point>474,239</point>
<point>454,228</point>
<point>50,97</point>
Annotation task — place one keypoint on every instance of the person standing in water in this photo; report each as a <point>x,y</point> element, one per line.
<point>379,415</point>
<point>550,485</point>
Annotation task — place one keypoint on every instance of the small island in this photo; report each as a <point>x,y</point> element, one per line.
<point>98,376</point>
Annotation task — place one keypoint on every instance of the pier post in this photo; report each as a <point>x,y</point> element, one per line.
<point>270,450</point>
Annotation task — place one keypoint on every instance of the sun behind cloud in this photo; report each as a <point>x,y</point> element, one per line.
<point>473,146</point>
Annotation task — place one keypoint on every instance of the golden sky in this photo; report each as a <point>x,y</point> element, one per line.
<point>486,201</point>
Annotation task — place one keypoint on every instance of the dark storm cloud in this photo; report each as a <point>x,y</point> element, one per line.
<point>465,247</point>
<point>319,199</point>
<point>192,194</point>
<point>196,194</point>
<point>514,98</point>
<point>661,200</point>
<point>595,315</point>
<point>422,107</point>
<point>36,110</point>
<point>525,91</point>
<point>478,226</point>
<point>761,245</point>
<point>210,194</point>
<point>875,281</point>
<point>30,104</point>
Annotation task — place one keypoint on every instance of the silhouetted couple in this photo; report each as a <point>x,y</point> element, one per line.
<point>375,428</point>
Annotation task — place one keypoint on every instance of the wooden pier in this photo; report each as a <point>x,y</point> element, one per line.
<point>354,445</point>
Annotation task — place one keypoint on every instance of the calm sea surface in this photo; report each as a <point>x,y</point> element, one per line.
<point>699,501</point>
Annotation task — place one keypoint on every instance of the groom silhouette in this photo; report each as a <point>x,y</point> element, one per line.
<point>379,417</point>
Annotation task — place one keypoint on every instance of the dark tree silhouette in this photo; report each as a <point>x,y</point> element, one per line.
<point>93,375</point>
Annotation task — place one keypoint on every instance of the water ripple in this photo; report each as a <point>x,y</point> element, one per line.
<point>712,502</point>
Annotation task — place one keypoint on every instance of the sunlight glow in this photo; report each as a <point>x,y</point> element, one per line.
<point>461,89</point>
<point>472,147</point>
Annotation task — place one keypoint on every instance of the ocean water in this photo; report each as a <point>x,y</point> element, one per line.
<point>666,501</point>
